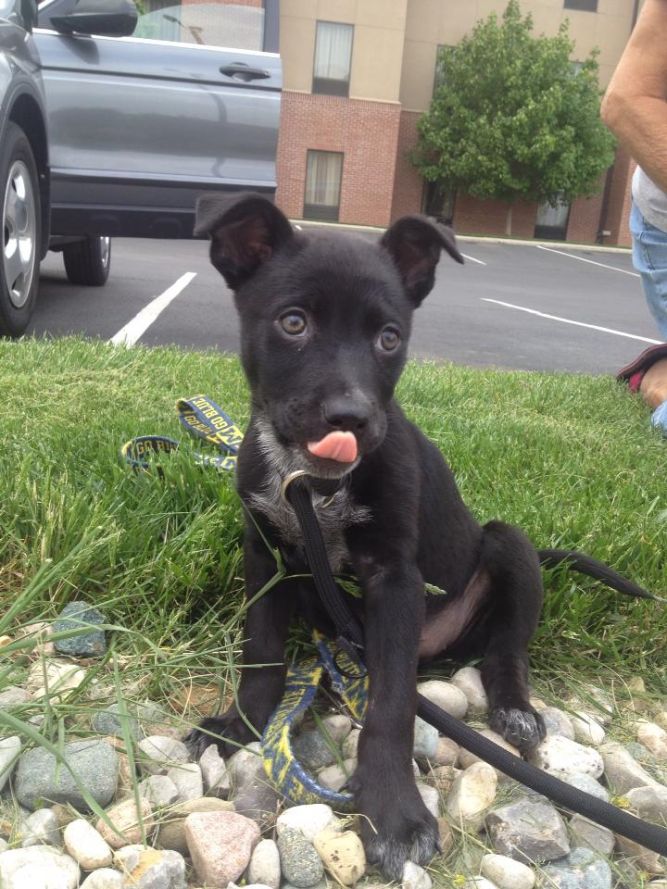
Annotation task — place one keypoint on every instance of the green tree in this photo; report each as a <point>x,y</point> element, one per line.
<point>512,117</point>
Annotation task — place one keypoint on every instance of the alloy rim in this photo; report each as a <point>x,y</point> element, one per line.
<point>19,222</point>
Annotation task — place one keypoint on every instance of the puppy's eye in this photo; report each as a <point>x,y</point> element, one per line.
<point>389,339</point>
<point>293,322</point>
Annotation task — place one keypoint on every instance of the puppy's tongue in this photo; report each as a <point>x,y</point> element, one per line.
<point>340,446</point>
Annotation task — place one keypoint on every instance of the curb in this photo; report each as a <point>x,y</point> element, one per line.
<point>471,239</point>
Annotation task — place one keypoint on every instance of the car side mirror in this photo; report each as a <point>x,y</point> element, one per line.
<point>106,18</point>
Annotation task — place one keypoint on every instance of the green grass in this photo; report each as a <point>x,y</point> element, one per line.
<point>569,458</point>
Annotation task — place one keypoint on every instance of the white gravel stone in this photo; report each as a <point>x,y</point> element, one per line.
<point>214,773</point>
<point>431,797</point>
<point>188,779</point>
<point>595,836</point>
<point>342,854</point>
<point>12,696</point>
<point>587,729</point>
<point>529,829</point>
<point>148,868</point>
<point>351,743</point>
<point>469,680</point>
<point>442,778</point>
<point>105,878</point>
<point>445,695</point>
<point>130,825</point>
<point>159,790</point>
<point>622,771</point>
<point>335,777</point>
<point>654,738</point>
<point>127,857</point>
<point>38,866</point>
<point>586,783</point>
<point>479,883</point>
<point>53,677</point>
<point>308,820</point>
<point>40,827</point>
<point>557,722</point>
<point>264,864</point>
<point>649,802</point>
<point>466,758</point>
<point>644,858</point>
<point>473,791</point>
<point>558,755</point>
<point>425,739</point>
<point>337,727</point>
<point>447,753</point>
<point>161,752</point>
<point>86,845</point>
<point>10,749</point>
<point>506,873</point>
<point>415,877</point>
<point>245,765</point>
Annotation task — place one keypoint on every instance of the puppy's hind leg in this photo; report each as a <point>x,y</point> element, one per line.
<point>515,603</point>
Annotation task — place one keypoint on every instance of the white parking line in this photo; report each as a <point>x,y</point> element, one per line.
<point>591,261</point>
<point>137,326</point>
<point>630,336</point>
<point>472,259</point>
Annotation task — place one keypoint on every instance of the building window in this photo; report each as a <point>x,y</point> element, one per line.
<point>551,222</point>
<point>441,60</point>
<point>324,173</point>
<point>584,5</point>
<point>438,201</point>
<point>333,56</point>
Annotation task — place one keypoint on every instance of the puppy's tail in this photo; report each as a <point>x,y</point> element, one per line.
<point>576,561</point>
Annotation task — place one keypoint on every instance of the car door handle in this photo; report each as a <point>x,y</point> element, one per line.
<point>244,72</point>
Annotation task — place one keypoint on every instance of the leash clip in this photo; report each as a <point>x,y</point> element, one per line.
<point>353,651</point>
<point>287,481</point>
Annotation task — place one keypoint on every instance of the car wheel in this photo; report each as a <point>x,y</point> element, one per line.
<point>88,261</point>
<point>21,232</point>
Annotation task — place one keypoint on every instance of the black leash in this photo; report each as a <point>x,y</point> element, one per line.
<point>350,638</point>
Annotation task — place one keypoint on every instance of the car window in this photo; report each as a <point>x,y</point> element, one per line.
<point>8,9</point>
<point>237,25</point>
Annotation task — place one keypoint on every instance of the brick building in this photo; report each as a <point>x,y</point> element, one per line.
<point>359,73</point>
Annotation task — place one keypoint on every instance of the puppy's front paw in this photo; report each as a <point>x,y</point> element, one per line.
<point>228,732</point>
<point>522,728</point>
<point>396,829</point>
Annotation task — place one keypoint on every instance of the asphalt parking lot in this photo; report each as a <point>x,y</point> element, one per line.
<point>527,307</point>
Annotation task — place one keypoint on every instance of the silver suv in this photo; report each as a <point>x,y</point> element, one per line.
<point>112,122</point>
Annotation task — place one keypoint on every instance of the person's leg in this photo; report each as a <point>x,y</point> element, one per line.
<point>653,388</point>
<point>649,257</point>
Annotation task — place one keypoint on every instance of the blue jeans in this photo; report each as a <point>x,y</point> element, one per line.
<point>649,257</point>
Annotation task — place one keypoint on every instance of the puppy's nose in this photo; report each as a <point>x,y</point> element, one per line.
<point>349,413</point>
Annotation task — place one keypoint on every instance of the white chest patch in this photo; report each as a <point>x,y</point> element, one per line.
<point>334,515</point>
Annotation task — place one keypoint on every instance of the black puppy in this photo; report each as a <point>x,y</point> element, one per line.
<point>325,323</point>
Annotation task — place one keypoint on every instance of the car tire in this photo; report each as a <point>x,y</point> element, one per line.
<point>21,232</point>
<point>88,261</point>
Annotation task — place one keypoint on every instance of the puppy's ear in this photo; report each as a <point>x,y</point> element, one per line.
<point>414,243</point>
<point>245,231</point>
